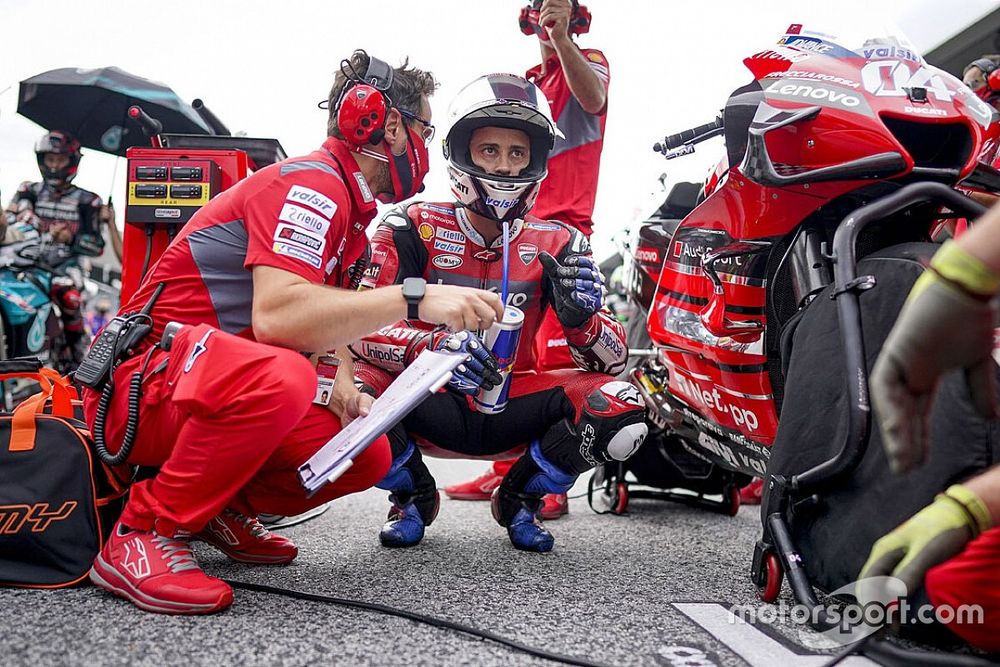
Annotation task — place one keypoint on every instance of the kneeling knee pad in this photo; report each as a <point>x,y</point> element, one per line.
<point>610,427</point>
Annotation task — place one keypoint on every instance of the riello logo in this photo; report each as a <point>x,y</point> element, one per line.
<point>37,517</point>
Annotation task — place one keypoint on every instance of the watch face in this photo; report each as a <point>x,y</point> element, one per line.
<point>414,288</point>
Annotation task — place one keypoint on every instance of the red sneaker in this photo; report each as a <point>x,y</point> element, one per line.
<point>158,574</point>
<point>554,505</point>
<point>752,492</point>
<point>244,539</point>
<point>481,488</point>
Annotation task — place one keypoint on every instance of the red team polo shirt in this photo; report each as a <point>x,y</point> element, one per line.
<point>306,215</point>
<point>567,193</point>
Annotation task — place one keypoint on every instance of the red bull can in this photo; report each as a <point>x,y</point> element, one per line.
<point>502,340</point>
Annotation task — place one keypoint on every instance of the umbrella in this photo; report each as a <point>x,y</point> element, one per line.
<point>92,105</point>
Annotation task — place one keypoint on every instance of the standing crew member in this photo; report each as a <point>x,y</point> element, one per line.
<point>499,138</point>
<point>575,83</point>
<point>227,415</point>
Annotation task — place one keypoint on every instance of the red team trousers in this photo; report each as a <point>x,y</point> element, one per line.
<point>228,422</point>
<point>971,578</point>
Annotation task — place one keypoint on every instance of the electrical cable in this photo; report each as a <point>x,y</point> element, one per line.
<point>417,618</point>
<point>134,398</point>
<point>150,230</point>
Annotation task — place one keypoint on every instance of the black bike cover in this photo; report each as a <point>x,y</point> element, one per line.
<point>836,536</point>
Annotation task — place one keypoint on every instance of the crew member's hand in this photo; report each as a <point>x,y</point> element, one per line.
<point>460,308</point>
<point>946,323</point>
<point>107,215</point>
<point>554,18</point>
<point>480,369</point>
<point>936,533</point>
<point>358,404</point>
<point>577,288</point>
<point>346,401</point>
<point>60,232</point>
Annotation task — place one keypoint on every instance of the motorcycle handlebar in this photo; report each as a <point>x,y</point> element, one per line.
<point>150,126</point>
<point>210,118</point>
<point>672,141</point>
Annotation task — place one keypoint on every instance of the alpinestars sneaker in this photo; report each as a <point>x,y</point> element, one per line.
<point>481,488</point>
<point>158,574</point>
<point>244,539</point>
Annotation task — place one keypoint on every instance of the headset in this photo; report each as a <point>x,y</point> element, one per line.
<point>364,102</point>
<point>991,76</point>
<point>579,20</point>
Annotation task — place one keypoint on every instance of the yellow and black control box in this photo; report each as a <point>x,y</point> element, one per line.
<point>169,191</point>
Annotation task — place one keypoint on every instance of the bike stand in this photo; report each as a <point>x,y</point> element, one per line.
<point>775,554</point>
<point>617,491</point>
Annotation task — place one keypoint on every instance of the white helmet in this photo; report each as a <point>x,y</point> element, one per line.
<point>498,100</point>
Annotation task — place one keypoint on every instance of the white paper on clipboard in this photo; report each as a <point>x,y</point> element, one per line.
<point>428,373</point>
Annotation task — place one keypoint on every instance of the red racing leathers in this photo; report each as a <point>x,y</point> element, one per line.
<point>581,418</point>
<point>436,242</point>
<point>226,419</point>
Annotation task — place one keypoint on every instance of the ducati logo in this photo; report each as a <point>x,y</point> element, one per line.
<point>527,252</point>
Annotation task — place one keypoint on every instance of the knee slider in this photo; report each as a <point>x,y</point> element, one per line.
<point>612,423</point>
<point>399,478</point>
<point>551,479</point>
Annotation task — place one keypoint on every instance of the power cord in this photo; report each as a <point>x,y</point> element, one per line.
<point>417,618</point>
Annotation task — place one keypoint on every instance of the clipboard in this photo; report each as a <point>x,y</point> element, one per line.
<point>428,373</point>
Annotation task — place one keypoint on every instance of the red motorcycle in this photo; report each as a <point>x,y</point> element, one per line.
<point>839,148</point>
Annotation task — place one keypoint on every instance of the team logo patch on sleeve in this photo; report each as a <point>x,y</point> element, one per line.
<point>291,234</point>
<point>304,218</point>
<point>426,231</point>
<point>595,57</point>
<point>318,202</point>
<point>298,252</point>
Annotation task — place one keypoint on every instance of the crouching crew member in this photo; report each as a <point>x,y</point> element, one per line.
<point>255,278</point>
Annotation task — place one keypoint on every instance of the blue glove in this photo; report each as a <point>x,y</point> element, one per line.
<point>479,370</point>
<point>577,288</point>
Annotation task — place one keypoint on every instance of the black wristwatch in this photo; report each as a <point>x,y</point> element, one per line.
<point>413,292</point>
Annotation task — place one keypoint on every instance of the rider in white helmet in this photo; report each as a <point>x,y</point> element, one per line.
<point>500,133</point>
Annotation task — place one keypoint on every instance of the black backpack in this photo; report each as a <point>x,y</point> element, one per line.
<point>58,501</point>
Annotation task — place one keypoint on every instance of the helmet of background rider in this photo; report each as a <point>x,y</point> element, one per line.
<point>982,75</point>
<point>579,20</point>
<point>507,101</point>
<point>58,143</point>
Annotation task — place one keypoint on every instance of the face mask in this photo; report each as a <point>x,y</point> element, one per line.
<point>409,169</point>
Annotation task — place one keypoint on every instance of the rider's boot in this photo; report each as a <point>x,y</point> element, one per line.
<point>518,500</point>
<point>415,500</point>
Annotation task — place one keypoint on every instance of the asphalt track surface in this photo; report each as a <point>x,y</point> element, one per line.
<point>639,589</point>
